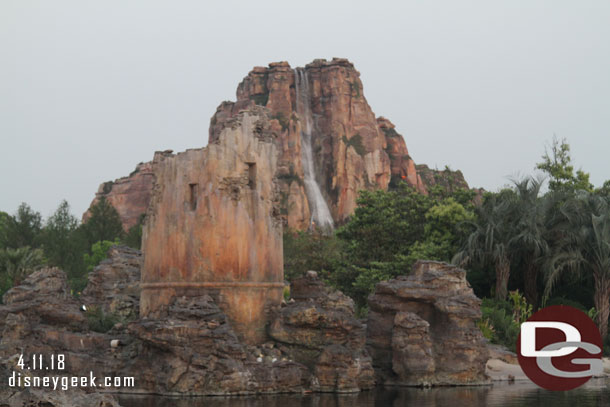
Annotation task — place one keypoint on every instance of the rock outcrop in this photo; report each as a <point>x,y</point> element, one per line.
<point>448,179</point>
<point>213,226</point>
<point>352,150</point>
<point>192,346</point>
<point>129,195</point>
<point>196,351</point>
<point>40,317</point>
<point>114,285</point>
<point>318,111</point>
<point>422,328</point>
<point>319,329</point>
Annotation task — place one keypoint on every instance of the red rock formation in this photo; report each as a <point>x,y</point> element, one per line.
<point>403,167</point>
<point>129,195</point>
<point>352,150</point>
<point>213,225</point>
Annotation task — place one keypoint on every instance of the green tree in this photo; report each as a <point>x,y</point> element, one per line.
<point>103,224</point>
<point>133,237</point>
<point>391,230</point>
<point>58,238</point>
<point>490,240</point>
<point>24,228</point>
<point>305,251</point>
<point>604,189</point>
<point>16,264</point>
<point>385,224</point>
<point>583,247</point>
<point>557,164</point>
<point>99,251</point>
<point>446,227</point>
<point>529,239</point>
<point>4,224</point>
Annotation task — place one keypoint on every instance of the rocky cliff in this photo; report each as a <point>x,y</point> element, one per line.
<point>129,195</point>
<point>192,346</point>
<point>322,107</point>
<point>329,143</point>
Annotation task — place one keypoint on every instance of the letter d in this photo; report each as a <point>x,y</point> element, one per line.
<point>11,380</point>
<point>528,338</point>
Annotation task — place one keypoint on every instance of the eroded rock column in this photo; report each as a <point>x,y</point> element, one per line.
<point>213,227</point>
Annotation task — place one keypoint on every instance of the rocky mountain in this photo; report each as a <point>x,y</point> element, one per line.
<point>330,145</point>
<point>129,195</point>
<point>328,132</point>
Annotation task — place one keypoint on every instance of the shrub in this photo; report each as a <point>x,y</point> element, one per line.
<point>99,321</point>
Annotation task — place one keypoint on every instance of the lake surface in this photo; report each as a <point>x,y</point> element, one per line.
<point>595,393</point>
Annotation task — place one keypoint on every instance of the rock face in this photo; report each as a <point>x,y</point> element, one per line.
<point>326,133</point>
<point>40,317</point>
<point>422,328</point>
<point>114,285</point>
<point>129,195</point>
<point>319,330</point>
<point>352,150</point>
<point>195,351</point>
<point>213,226</point>
<point>191,345</point>
<point>448,179</point>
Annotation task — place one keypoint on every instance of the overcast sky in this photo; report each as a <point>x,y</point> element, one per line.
<point>90,88</point>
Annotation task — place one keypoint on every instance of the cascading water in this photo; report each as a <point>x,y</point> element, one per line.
<point>320,214</point>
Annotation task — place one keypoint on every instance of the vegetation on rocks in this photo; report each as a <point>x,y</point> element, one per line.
<point>27,243</point>
<point>524,246</point>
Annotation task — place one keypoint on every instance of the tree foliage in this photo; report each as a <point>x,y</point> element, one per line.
<point>584,248</point>
<point>104,223</point>
<point>16,264</point>
<point>390,230</point>
<point>557,164</point>
<point>24,228</point>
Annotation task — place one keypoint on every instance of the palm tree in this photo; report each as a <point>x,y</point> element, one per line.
<point>490,240</point>
<point>18,263</point>
<point>583,246</point>
<point>529,240</point>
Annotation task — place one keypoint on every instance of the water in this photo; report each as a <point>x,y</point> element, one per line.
<point>320,214</point>
<point>595,393</point>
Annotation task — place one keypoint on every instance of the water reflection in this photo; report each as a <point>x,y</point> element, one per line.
<point>595,393</point>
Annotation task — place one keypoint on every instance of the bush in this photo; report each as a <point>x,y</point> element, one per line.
<point>502,328</point>
<point>305,251</point>
<point>500,321</point>
<point>99,321</point>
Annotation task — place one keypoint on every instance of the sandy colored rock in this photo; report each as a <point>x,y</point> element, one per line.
<point>213,226</point>
<point>422,328</point>
<point>319,329</point>
<point>190,349</point>
<point>114,285</point>
<point>129,195</point>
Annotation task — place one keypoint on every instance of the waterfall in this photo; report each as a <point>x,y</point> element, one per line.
<point>320,214</point>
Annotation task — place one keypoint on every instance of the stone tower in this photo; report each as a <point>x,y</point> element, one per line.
<point>213,226</point>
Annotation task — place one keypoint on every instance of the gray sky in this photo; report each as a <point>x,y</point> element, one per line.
<point>90,88</point>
